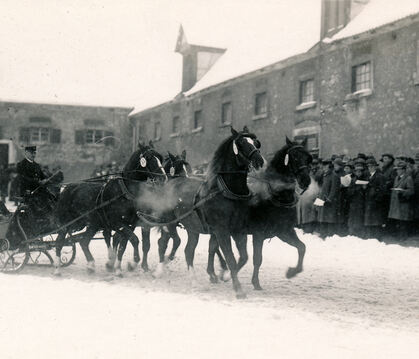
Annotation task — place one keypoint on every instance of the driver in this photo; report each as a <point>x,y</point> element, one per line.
<point>32,181</point>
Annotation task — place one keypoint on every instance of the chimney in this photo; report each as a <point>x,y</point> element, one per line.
<point>336,14</point>
<point>197,60</point>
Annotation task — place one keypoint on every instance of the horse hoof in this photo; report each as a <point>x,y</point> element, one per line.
<point>257,287</point>
<point>90,271</point>
<point>292,272</point>
<point>131,267</point>
<point>171,258</point>
<point>241,295</point>
<point>145,268</point>
<point>224,275</point>
<point>214,279</point>
<point>109,267</point>
<point>118,274</point>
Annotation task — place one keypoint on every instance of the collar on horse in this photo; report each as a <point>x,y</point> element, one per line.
<point>222,186</point>
<point>125,191</point>
<point>277,202</point>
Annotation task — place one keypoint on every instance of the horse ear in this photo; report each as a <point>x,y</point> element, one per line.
<point>172,158</point>
<point>233,131</point>
<point>304,142</point>
<point>289,142</point>
<point>183,155</point>
<point>245,129</point>
<point>150,143</point>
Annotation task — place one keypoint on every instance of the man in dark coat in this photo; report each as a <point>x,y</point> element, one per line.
<point>416,197</point>
<point>32,181</point>
<point>401,205</point>
<point>330,213</point>
<point>374,215</point>
<point>30,173</point>
<point>356,203</point>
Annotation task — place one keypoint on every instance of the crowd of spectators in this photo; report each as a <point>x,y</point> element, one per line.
<point>362,197</point>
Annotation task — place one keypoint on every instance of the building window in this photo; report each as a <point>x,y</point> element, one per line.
<point>157,131</point>
<point>307,91</point>
<point>312,144</point>
<point>1,132</point>
<point>261,104</point>
<point>39,135</point>
<point>197,119</point>
<point>361,77</point>
<point>93,136</point>
<point>226,113</point>
<point>176,124</point>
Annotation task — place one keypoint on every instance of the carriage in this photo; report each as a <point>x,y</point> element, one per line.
<point>26,238</point>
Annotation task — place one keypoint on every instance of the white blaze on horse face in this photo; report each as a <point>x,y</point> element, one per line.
<point>186,171</point>
<point>161,167</point>
<point>248,139</point>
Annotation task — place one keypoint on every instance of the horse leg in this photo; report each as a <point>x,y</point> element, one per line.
<point>176,241</point>
<point>212,249</point>
<point>121,250</point>
<point>146,247</point>
<point>224,273</point>
<point>84,244</point>
<point>292,239</point>
<point>162,242</point>
<point>193,238</point>
<point>224,242</point>
<point>58,247</point>
<point>111,253</point>
<point>135,242</point>
<point>257,260</point>
<point>241,245</point>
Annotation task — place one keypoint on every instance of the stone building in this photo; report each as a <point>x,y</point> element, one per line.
<point>78,138</point>
<point>355,89</point>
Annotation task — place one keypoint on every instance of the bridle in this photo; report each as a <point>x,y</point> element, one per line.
<point>246,158</point>
<point>294,170</point>
<point>145,164</point>
<point>173,166</point>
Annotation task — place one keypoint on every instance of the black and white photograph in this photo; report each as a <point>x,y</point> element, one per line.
<point>204,179</point>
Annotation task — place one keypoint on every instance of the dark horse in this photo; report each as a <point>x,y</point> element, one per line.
<point>273,206</point>
<point>225,195</point>
<point>108,206</point>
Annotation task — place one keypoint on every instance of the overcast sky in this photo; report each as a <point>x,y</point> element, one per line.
<point>122,52</point>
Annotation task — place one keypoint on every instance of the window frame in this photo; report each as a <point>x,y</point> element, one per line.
<point>303,95</point>
<point>256,103</point>
<point>197,114</point>
<point>355,75</point>
<point>226,120</point>
<point>176,125</point>
<point>157,131</point>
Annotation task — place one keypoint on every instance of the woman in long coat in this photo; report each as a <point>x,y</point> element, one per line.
<point>401,204</point>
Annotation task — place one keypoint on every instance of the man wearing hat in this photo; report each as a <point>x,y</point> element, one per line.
<point>30,173</point>
<point>390,174</point>
<point>374,217</point>
<point>401,205</point>
<point>356,202</point>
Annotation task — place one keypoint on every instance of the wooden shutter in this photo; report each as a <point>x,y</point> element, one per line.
<point>79,137</point>
<point>55,135</point>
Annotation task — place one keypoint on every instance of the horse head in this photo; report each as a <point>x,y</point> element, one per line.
<point>246,149</point>
<point>293,160</point>
<point>177,166</point>
<point>145,164</point>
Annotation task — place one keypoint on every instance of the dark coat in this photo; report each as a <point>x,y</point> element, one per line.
<point>330,193</point>
<point>30,174</point>
<point>401,205</point>
<point>356,204</point>
<point>374,199</point>
<point>416,195</point>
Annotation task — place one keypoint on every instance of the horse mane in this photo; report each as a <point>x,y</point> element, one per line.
<point>217,161</point>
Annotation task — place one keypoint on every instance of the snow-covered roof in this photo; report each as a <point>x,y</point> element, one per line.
<point>254,34</point>
<point>378,13</point>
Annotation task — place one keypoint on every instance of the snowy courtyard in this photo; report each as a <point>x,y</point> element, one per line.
<point>355,299</point>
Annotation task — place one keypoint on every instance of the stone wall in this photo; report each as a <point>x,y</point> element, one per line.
<point>76,159</point>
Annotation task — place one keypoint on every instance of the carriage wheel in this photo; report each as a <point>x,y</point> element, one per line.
<point>12,261</point>
<point>68,254</point>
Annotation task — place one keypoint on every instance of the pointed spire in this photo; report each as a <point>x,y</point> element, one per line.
<point>182,42</point>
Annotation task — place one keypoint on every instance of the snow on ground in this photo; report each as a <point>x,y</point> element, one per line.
<point>355,299</point>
